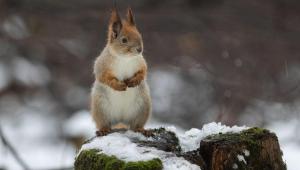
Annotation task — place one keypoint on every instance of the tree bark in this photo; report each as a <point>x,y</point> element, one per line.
<point>252,149</point>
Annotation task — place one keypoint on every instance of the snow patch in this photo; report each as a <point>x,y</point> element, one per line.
<point>191,139</point>
<point>241,158</point>
<point>246,152</point>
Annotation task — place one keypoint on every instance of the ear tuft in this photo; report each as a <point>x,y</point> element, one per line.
<point>130,17</point>
<point>115,23</point>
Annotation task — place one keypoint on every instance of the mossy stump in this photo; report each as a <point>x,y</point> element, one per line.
<point>252,149</point>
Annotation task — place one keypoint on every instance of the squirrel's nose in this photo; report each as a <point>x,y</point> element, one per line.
<point>139,49</point>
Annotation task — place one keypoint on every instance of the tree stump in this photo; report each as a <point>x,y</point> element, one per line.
<point>161,139</point>
<point>252,149</point>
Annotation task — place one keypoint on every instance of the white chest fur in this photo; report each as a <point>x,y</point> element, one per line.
<point>126,66</point>
<point>124,105</point>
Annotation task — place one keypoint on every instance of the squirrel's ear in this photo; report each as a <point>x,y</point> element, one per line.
<point>130,17</point>
<point>115,23</point>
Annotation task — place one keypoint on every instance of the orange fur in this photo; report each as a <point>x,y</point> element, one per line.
<point>109,79</point>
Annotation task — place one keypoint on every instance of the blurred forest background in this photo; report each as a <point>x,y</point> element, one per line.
<point>237,62</point>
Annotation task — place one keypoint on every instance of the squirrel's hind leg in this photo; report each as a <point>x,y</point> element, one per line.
<point>139,122</point>
<point>102,123</point>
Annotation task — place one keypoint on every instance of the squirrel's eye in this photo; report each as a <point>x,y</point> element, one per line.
<point>124,40</point>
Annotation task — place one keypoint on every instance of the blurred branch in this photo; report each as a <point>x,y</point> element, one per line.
<point>13,151</point>
<point>17,156</point>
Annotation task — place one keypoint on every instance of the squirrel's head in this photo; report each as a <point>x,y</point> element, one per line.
<point>123,36</point>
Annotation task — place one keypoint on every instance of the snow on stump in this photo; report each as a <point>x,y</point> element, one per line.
<point>252,149</point>
<point>128,150</point>
<point>214,147</point>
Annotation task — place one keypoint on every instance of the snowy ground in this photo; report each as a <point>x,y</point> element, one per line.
<point>38,142</point>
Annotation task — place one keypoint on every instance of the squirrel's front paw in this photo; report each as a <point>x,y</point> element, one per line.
<point>132,82</point>
<point>120,86</point>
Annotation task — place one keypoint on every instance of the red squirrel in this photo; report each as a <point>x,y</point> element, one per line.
<point>120,93</point>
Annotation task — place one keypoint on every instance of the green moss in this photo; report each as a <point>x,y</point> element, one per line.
<point>255,131</point>
<point>252,132</point>
<point>93,160</point>
<point>154,164</point>
<point>114,164</point>
<point>248,137</point>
